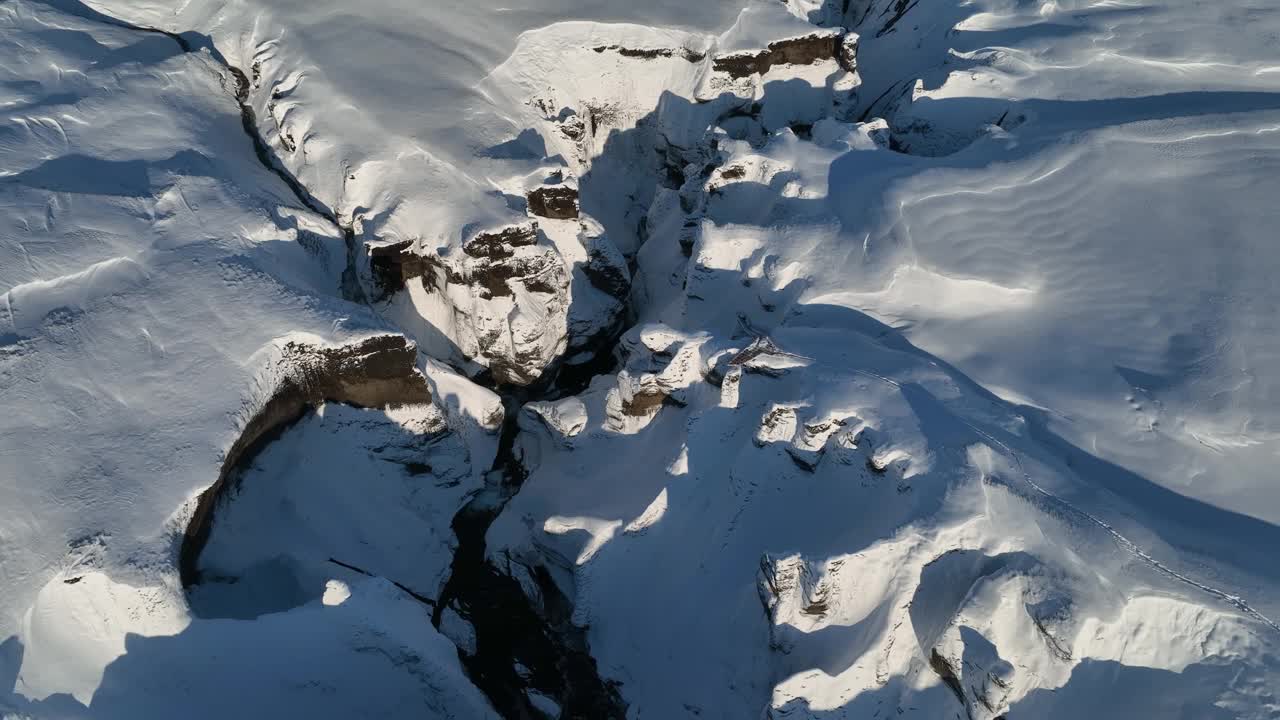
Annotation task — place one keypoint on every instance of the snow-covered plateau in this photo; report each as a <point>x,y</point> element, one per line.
<point>813,359</point>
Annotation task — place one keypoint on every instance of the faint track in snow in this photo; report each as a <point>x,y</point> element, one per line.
<point>1125,543</point>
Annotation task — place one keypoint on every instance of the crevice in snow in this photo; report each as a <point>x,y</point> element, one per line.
<point>351,287</point>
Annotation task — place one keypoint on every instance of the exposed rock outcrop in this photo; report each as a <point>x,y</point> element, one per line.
<point>558,202</point>
<point>378,372</point>
<point>605,267</point>
<point>518,299</point>
<point>803,50</point>
<point>508,294</point>
<point>501,243</point>
<point>692,56</point>
<point>392,265</point>
<point>660,365</point>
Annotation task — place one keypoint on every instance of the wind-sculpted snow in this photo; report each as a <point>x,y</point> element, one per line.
<point>772,444</point>
<point>863,359</point>
<point>423,161</point>
<point>155,273</point>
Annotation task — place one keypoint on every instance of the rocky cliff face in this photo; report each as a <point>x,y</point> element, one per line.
<point>380,372</point>
<point>804,50</point>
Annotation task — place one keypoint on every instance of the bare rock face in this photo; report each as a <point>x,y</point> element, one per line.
<point>605,267</point>
<point>603,284</point>
<point>804,50</point>
<point>822,59</point>
<point>378,372</point>
<point>557,202</point>
<point>847,52</point>
<point>688,54</point>
<point>501,243</point>
<point>506,296</point>
<point>501,263</point>
<point>393,265</point>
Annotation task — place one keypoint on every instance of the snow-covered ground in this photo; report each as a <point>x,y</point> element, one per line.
<point>153,270</point>
<point>949,386</point>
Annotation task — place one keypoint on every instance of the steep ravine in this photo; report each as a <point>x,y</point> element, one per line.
<point>513,624</point>
<point>525,645</point>
<point>509,629</point>
<point>351,288</point>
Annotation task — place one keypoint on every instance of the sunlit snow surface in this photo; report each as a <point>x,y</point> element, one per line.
<point>1019,407</point>
<point>152,267</point>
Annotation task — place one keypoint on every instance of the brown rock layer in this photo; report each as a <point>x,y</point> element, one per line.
<point>557,202</point>
<point>501,243</point>
<point>804,50</point>
<point>374,373</point>
<point>692,56</point>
